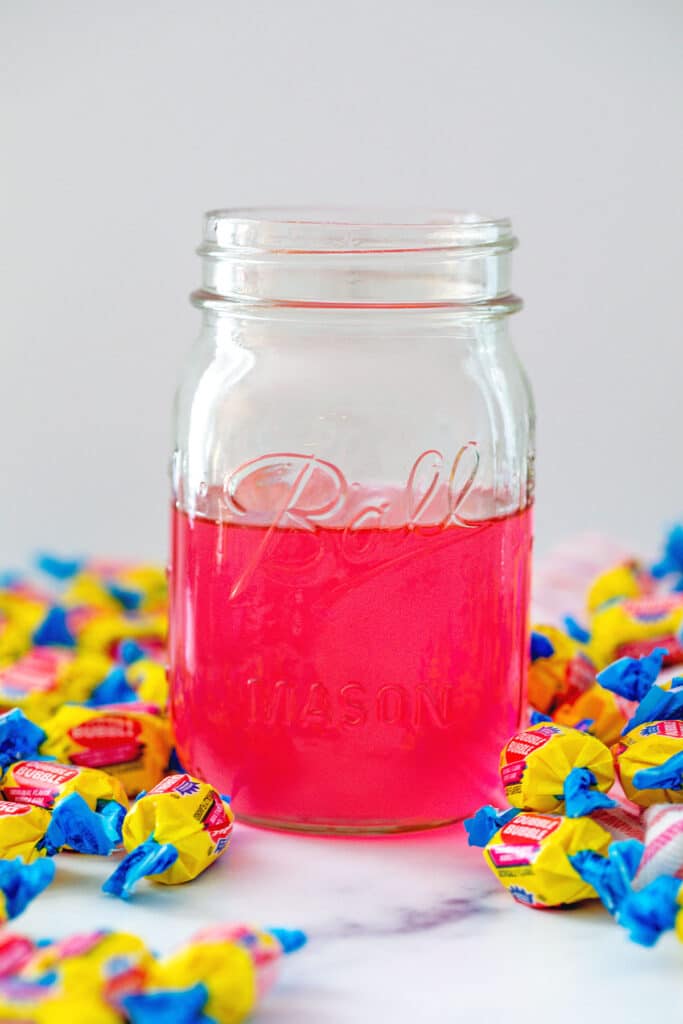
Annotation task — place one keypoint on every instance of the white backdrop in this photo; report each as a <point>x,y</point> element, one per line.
<point>121,122</point>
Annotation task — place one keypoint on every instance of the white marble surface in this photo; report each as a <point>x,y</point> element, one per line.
<point>402,929</point>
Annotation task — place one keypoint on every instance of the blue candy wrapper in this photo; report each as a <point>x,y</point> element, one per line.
<point>150,858</point>
<point>540,646</point>
<point>114,689</point>
<point>54,630</point>
<point>20,738</point>
<point>130,652</point>
<point>485,823</point>
<point>20,883</point>
<point>658,705</point>
<point>58,568</point>
<point>631,678</point>
<point>668,775</point>
<point>648,913</point>
<point>184,1006</point>
<point>610,876</point>
<point>77,826</point>
<point>579,796</point>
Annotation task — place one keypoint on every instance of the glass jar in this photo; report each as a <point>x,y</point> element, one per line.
<point>353,482</point>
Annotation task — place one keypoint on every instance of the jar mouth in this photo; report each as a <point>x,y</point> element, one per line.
<point>349,229</point>
<point>357,257</point>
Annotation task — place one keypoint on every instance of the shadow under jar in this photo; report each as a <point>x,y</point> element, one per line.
<point>351,521</point>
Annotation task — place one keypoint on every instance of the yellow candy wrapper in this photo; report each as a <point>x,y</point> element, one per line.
<point>35,1002</point>
<point>104,631</point>
<point>549,767</point>
<point>530,855</point>
<point>235,966</point>
<point>111,964</point>
<point>46,783</point>
<point>559,671</point>
<point>87,806</point>
<point>649,763</point>
<point>635,627</point>
<point>172,833</point>
<point>130,744</point>
<point>22,830</point>
<point>224,968</point>
<point>620,583</point>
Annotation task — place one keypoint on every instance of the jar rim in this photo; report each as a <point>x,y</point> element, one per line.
<point>338,230</point>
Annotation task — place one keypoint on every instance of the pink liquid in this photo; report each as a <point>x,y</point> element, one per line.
<point>337,680</point>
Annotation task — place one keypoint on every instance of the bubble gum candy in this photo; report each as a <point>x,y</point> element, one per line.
<point>22,830</point>
<point>126,741</point>
<point>172,833</point>
<point>104,631</point>
<point>628,580</point>
<point>47,1002</point>
<point>45,678</point>
<point>112,964</point>
<point>88,806</point>
<point>548,767</point>
<point>559,671</point>
<point>220,976</point>
<point>649,763</point>
<point>636,627</point>
<point>530,854</point>
<point>662,844</point>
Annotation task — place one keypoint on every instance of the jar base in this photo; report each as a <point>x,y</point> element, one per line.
<point>335,829</point>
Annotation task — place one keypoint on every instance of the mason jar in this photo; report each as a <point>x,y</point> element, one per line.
<point>351,518</point>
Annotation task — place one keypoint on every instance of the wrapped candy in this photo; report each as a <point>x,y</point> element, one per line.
<point>635,679</point>
<point>610,704</point>
<point>87,806</point>
<point>140,679</point>
<point>220,975</point>
<point>622,582</point>
<point>46,677</point>
<point>662,852</point>
<point>126,741</point>
<point>531,854</point>
<point>22,830</point>
<point>110,964</point>
<point>636,627</point>
<point>104,631</point>
<point>559,670</point>
<point>649,763</point>
<point>172,834</point>
<point>548,767</point>
<point>48,1002</point>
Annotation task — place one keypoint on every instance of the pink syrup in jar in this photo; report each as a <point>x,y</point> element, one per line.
<point>359,676</point>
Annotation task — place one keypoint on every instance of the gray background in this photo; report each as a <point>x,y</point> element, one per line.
<point>121,122</point>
